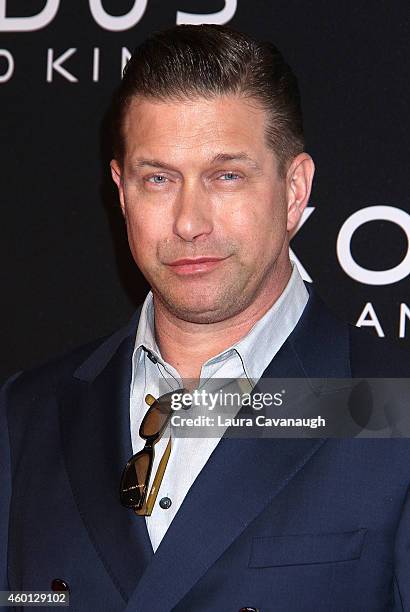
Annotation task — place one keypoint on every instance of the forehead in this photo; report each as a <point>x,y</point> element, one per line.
<point>196,129</point>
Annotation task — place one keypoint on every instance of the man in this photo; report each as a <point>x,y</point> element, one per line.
<point>212,179</point>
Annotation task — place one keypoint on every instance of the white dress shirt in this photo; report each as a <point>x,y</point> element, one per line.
<point>248,358</point>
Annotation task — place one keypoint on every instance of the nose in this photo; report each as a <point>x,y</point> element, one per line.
<point>192,212</point>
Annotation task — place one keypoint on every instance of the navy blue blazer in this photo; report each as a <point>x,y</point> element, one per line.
<point>282,525</point>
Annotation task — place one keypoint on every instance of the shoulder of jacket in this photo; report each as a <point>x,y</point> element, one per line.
<point>43,378</point>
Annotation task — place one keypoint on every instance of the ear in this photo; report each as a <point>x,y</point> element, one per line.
<point>299,179</point>
<point>116,174</point>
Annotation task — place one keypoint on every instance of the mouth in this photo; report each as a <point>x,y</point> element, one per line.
<point>198,265</point>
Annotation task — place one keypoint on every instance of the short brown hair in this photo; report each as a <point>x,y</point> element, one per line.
<point>190,61</point>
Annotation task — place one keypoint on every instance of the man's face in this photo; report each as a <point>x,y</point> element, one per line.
<point>207,213</point>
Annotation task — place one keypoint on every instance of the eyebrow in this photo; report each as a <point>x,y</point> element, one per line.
<point>219,158</point>
<point>223,157</point>
<point>152,163</point>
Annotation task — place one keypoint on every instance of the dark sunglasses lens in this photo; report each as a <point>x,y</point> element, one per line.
<point>157,417</point>
<point>134,480</point>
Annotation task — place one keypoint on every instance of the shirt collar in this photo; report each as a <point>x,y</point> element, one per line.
<point>145,333</point>
<point>265,338</point>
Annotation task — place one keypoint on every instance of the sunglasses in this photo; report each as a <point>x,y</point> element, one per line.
<point>136,475</point>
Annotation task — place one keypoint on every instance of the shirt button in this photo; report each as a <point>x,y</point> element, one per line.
<point>165,503</point>
<point>59,585</point>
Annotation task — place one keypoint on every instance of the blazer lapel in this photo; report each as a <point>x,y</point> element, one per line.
<point>94,417</point>
<point>242,475</point>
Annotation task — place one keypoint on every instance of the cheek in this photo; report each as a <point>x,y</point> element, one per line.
<point>142,231</point>
<point>271,222</point>
<point>256,222</point>
<point>260,232</point>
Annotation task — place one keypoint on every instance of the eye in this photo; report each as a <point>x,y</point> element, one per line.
<point>229,176</point>
<point>157,179</point>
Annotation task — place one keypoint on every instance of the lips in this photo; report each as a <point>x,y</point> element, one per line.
<point>196,265</point>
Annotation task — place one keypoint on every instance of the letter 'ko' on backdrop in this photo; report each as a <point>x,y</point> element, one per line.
<point>67,276</point>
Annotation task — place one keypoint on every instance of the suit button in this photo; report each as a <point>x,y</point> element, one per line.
<point>249,609</point>
<point>59,585</point>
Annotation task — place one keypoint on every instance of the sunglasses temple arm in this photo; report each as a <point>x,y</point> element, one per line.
<point>157,480</point>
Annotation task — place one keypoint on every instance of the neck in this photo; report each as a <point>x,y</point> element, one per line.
<point>187,346</point>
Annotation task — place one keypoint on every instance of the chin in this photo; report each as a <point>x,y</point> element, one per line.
<point>201,310</point>
<point>193,313</point>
